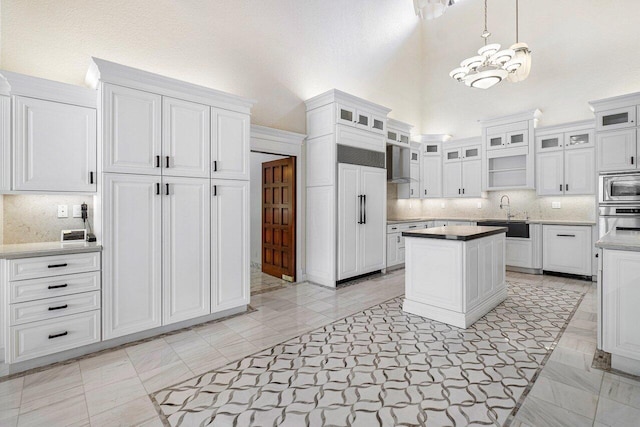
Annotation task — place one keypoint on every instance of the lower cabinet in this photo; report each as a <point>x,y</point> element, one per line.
<point>567,249</point>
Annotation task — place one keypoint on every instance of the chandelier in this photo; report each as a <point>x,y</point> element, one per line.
<point>491,65</point>
<point>523,54</point>
<point>431,9</point>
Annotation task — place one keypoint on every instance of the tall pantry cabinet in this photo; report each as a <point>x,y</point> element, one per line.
<point>346,187</point>
<point>174,181</point>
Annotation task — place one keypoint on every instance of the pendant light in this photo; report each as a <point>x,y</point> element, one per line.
<point>523,55</point>
<point>431,9</point>
<point>489,67</point>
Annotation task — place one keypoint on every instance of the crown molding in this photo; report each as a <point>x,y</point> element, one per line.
<point>35,87</point>
<point>335,95</point>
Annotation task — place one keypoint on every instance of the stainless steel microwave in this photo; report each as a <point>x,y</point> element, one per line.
<point>619,188</point>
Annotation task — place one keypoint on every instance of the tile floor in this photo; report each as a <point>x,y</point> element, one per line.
<point>112,388</point>
<point>261,282</point>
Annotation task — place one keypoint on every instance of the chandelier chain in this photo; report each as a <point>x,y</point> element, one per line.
<point>517,20</point>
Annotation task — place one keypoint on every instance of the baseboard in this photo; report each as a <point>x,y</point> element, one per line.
<point>587,278</point>
<point>525,270</point>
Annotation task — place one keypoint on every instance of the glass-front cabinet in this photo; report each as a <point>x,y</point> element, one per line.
<point>361,119</point>
<point>616,119</point>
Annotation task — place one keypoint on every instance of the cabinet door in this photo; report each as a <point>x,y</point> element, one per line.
<point>373,184</point>
<point>566,249</point>
<point>229,145</point>
<point>472,178</point>
<point>496,141</point>
<point>617,150</point>
<point>621,298</point>
<point>379,124</point>
<point>579,139</point>
<point>363,119</point>
<point>392,135</point>
<point>392,249</point>
<point>131,129</point>
<point>550,173</point>
<point>431,172</point>
<point>470,153</point>
<point>414,185</point>
<point>579,171</point>
<point>185,138</point>
<point>55,146</point>
<point>346,115</point>
<point>616,119</point>
<point>404,138</point>
<point>186,255</point>
<point>230,268</point>
<point>452,155</point>
<point>350,219</point>
<point>452,179</point>
<point>553,142</point>
<point>517,138</point>
<point>132,280</point>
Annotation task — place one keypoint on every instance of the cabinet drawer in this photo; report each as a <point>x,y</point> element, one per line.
<point>47,287</point>
<point>567,249</point>
<point>51,308</point>
<point>31,268</point>
<point>39,339</point>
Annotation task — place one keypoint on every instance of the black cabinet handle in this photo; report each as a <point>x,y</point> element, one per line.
<point>57,265</point>
<point>597,255</point>
<point>90,177</point>
<point>360,209</point>
<point>560,187</point>
<point>157,161</point>
<point>413,226</point>
<point>61,334</point>
<point>57,286</point>
<point>215,166</point>
<point>60,307</point>
<point>157,188</point>
<point>364,200</point>
<point>215,190</point>
<point>463,191</point>
<point>167,161</point>
<point>566,187</point>
<point>425,191</point>
<point>632,159</point>
<point>566,235</point>
<point>167,189</point>
<point>458,191</point>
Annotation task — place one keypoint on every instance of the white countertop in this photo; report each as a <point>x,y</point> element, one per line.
<point>26,250</point>
<point>529,221</point>
<point>620,240</point>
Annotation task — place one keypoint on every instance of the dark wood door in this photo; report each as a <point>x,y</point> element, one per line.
<point>279,218</point>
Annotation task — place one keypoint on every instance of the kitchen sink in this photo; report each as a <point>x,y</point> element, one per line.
<point>519,229</point>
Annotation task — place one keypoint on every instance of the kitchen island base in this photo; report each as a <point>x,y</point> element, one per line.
<point>456,279</point>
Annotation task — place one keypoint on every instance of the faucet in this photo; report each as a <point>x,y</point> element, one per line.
<point>508,206</point>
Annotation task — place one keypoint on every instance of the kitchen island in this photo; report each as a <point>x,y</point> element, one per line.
<point>454,274</point>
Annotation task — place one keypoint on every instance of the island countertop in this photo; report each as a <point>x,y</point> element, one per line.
<point>26,250</point>
<point>455,232</point>
<point>620,240</point>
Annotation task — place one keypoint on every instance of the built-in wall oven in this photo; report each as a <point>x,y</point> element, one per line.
<point>618,217</point>
<point>619,188</point>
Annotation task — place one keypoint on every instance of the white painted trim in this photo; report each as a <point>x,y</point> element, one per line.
<point>275,141</point>
<point>35,87</point>
<point>475,140</point>
<point>433,137</point>
<point>567,127</point>
<point>337,96</point>
<point>101,70</point>
<point>398,125</point>
<point>511,118</point>
<point>615,102</point>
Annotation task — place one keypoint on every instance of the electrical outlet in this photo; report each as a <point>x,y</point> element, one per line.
<point>479,205</point>
<point>442,205</point>
<point>556,205</point>
<point>63,211</point>
<point>77,211</point>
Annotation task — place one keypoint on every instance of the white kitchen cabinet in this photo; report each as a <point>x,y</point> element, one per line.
<point>132,130</point>
<point>620,301</point>
<point>550,173</point>
<point>393,252</point>
<point>617,118</point>
<point>361,227</point>
<point>230,144</point>
<point>552,142</point>
<point>511,135</point>
<point>398,132</point>
<point>431,176</point>
<point>186,249</point>
<point>230,267</point>
<point>462,170</point>
<point>567,249</point>
<point>579,171</point>
<point>617,150</point>
<point>132,241</point>
<point>452,179</point>
<point>472,178</point>
<point>414,185</point>
<point>360,118</point>
<point>54,146</point>
<point>186,138</point>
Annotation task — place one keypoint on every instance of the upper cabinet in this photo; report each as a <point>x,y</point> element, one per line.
<point>53,144</point>
<point>508,153</point>
<point>361,118</point>
<point>431,170</point>
<point>617,132</point>
<point>462,168</point>
<point>565,157</point>
<point>398,133</point>
<point>230,145</point>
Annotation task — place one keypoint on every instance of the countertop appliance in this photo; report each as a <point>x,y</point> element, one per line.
<point>619,188</point>
<point>618,217</point>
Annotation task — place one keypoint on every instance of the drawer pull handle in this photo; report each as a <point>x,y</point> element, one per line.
<point>566,235</point>
<point>57,286</point>
<point>57,265</point>
<point>413,226</point>
<point>61,334</point>
<point>60,307</point>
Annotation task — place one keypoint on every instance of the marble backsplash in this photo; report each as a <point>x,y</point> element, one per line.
<point>523,203</point>
<point>34,218</point>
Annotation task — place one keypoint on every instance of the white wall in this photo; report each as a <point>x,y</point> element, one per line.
<point>257,159</point>
<point>582,50</point>
<point>279,52</point>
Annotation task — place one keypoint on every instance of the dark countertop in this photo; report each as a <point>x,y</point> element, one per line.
<point>620,240</point>
<point>27,250</point>
<point>393,221</point>
<point>455,232</point>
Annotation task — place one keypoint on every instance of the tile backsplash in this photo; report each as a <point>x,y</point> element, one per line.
<point>34,218</point>
<point>523,202</point>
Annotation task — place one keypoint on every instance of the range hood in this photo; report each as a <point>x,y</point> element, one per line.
<point>398,164</point>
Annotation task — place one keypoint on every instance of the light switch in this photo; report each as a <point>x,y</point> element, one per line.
<point>77,211</point>
<point>63,211</point>
<point>556,205</point>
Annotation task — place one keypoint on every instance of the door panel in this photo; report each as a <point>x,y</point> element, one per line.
<point>132,127</point>
<point>186,259</point>
<point>350,216</point>
<point>279,217</point>
<point>616,150</point>
<point>229,145</point>
<point>452,179</point>
<point>550,173</point>
<point>431,176</point>
<point>373,184</point>
<point>132,254</point>
<point>185,138</point>
<point>472,178</point>
<point>579,171</point>
<point>55,146</point>
<point>229,244</point>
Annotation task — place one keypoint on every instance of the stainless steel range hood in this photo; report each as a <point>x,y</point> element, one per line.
<point>398,165</point>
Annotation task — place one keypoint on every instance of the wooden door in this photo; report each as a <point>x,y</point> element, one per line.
<point>279,218</point>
